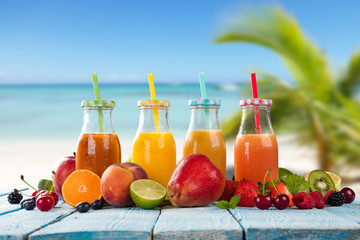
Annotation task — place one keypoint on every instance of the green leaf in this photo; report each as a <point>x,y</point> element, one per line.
<point>223,204</point>
<point>295,183</point>
<point>234,201</point>
<point>351,77</point>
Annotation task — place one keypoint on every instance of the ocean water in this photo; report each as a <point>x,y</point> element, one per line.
<point>54,111</point>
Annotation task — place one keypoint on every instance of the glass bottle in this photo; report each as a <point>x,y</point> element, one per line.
<point>154,146</point>
<point>204,135</point>
<point>256,149</point>
<point>98,145</point>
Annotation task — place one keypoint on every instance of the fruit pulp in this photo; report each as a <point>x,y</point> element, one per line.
<point>156,153</point>
<point>208,142</point>
<point>254,155</point>
<point>97,151</point>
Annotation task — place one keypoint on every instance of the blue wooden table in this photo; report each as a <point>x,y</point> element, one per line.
<point>168,222</point>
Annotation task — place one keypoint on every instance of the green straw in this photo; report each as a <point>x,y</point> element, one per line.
<point>204,96</point>
<point>97,97</point>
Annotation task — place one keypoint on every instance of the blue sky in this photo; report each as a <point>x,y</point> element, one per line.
<point>65,41</point>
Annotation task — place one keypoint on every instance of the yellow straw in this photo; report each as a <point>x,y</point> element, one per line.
<point>153,97</point>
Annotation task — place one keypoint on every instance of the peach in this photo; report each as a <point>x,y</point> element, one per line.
<point>116,180</point>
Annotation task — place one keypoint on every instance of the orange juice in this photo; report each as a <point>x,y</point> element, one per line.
<point>254,155</point>
<point>97,151</point>
<point>156,153</point>
<point>208,142</point>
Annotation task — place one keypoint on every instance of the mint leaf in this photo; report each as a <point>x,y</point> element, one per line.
<point>234,201</point>
<point>295,183</point>
<point>223,204</point>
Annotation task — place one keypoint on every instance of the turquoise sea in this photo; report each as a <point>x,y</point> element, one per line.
<point>54,111</point>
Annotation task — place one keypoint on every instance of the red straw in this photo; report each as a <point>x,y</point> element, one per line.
<point>255,95</point>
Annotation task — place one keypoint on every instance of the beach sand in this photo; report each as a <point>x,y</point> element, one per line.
<point>35,159</point>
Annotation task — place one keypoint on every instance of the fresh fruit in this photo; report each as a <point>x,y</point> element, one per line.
<point>283,173</point>
<point>248,191</point>
<point>63,170</point>
<point>336,199</point>
<point>281,201</point>
<point>318,199</point>
<point>26,200</point>
<point>29,205</point>
<point>83,207</point>
<point>34,194</point>
<point>303,200</point>
<point>282,189</point>
<point>349,194</point>
<point>327,195</point>
<point>44,203</point>
<point>229,190</point>
<point>320,181</point>
<point>196,181</point>
<point>15,197</point>
<point>55,197</point>
<point>45,184</point>
<point>263,201</point>
<point>137,171</point>
<point>81,186</point>
<point>147,193</point>
<point>115,186</point>
<point>97,204</point>
<point>336,179</point>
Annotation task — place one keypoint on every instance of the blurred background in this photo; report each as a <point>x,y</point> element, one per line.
<point>306,55</point>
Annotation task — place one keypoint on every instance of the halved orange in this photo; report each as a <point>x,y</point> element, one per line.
<point>81,186</point>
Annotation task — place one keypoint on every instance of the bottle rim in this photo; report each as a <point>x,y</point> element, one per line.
<point>153,103</point>
<point>98,103</point>
<point>255,102</point>
<point>205,102</point>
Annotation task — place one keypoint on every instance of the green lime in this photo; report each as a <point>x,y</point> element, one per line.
<point>283,173</point>
<point>147,193</point>
<point>45,184</point>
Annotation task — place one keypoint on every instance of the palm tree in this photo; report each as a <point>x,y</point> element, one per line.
<point>319,108</point>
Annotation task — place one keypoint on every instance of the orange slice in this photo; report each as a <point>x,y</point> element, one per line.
<point>81,186</point>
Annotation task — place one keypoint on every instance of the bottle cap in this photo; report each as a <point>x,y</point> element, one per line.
<point>98,103</point>
<point>205,102</point>
<point>255,101</point>
<point>153,103</point>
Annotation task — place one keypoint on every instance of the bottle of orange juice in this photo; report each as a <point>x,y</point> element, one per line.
<point>98,145</point>
<point>154,146</point>
<point>256,148</point>
<point>204,135</point>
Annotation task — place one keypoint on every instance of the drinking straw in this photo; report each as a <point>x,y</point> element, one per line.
<point>255,95</point>
<point>153,97</point>
<point>97,97</point>
<point>204,96</point>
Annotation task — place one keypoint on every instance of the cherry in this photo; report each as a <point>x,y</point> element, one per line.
<point>43,193</point>
<point>281,201</point>
<point>262,201</point>
<point>45,203</point>
<point>349,194</point>
<point>34,194</point>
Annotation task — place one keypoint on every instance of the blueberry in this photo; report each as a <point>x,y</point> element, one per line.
<point>97,204</point>
<point>83,207</point>
<point>29,205</point>
<point>25,201</point>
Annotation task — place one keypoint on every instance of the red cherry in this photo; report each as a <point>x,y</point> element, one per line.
<point>41,193</point>
<point>35,193</point>
<point>349,194</point>
<point>281,201</point>
<point>55,197</point>
<point>45,203</point>
<point>262,201</point>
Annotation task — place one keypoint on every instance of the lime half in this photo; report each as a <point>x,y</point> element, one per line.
<point>147,193</point>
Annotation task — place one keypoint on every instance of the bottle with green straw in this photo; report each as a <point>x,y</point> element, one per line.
<point>204,134</point>
<point>154,146</point>
<point>98,145</point>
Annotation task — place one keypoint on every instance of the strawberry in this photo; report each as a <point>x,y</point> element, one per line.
<point>247,190</point>
<point>229,190</point>
<point>282,190</point>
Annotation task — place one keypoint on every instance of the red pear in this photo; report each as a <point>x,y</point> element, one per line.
<point>196,181</point>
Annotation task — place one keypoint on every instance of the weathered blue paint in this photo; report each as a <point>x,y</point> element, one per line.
<point>201,223</point>
<point>113,223</point>
<point>6,207</point>
<point>7,191</point>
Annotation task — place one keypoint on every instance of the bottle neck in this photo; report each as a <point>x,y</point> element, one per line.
<point>204,118</point>
<point>249,119</point>
<point>153,119</point>
<point>97,120</point>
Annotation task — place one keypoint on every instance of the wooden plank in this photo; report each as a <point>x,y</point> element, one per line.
<point>112,223</point>
<point>197,223</point>
<point>18,225</point>
<point>347,211</point>
<point>6,207</point>
<point>294,223</point>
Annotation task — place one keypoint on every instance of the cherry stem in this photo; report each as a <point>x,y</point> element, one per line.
<point>273,182</point>
<point>52,187</point>
<point>22,178</point>
<point>22,193</point>
<point>74,154</point>
<point>263,193</point>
